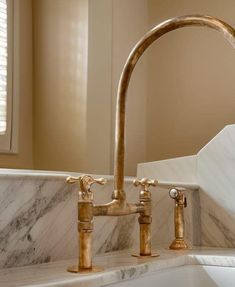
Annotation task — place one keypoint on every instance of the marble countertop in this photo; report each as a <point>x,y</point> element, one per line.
<point>117,266</point>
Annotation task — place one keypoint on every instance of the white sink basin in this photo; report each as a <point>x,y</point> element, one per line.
<point>190,276</point>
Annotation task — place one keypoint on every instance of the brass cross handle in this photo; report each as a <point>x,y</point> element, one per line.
<point>145,183</point>
<point>178,195</point>
<point>85,181</point>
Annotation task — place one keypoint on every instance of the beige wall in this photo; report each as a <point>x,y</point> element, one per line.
<point>22,87</point>
<point>74,126</point>
<point>60,71</point>
<point>130,22</point>
<point>181,93</point>
<point>191,80</point>
<point>112,34</point>
<point>99,81</point>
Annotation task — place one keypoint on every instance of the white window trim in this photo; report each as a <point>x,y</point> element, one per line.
<point>9,141</point>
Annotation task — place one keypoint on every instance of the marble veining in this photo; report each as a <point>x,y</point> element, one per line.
<point>28,219</point>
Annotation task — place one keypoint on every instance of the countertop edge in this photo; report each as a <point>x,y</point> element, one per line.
<point>119,266</point>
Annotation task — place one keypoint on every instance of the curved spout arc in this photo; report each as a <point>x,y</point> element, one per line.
<point>154,34</point>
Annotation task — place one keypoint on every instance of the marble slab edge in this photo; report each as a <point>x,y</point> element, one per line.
<point>41,174</point>
<point>118,266</point>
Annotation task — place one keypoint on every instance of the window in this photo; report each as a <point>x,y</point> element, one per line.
<point>6,70</point>
<point>3,66</point>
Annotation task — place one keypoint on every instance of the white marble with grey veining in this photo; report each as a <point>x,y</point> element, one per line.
<point>118,266</point>
<point>38,220</point>
<point>216,177</point>
<point>181,169</point>
<point>38,214</point>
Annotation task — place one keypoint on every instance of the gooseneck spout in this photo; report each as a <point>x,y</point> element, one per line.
<point>161,29</point>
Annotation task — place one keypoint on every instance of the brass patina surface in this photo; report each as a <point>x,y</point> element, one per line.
<point>118,206</point>
<point>85,222</point>
<point>178,195</point>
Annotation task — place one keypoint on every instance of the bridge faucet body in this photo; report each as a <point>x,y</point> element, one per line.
<point>117,207</point>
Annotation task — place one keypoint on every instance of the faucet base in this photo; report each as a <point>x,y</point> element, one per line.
<point>179,244</point>
<point>76,269</point>
<point>145,256</point>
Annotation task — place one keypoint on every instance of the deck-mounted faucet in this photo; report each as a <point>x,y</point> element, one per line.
<point>118,205</point>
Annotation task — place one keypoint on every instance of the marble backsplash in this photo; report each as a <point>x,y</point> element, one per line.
<point>38,210</point>
<point>216,177</point>
<point>38,214</point>
<point>213,170</point>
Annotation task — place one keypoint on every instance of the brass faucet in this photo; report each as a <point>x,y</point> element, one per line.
<point>145,218</point>
<point>85,221</point>
<point>87,210</point>
<point>178,195</point>
<point>119,206</point>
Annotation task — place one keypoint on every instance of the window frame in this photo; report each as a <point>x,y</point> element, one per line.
<point>9,140</point>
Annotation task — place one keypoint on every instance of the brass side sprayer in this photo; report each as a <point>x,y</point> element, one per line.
<point>119,205</point>
<point>178,195</point>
